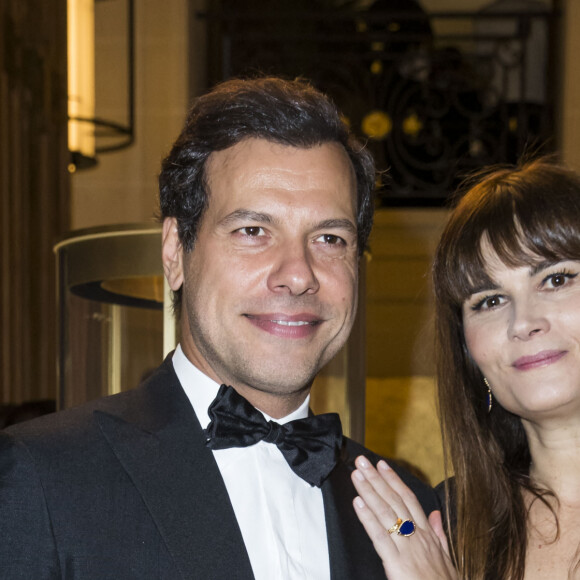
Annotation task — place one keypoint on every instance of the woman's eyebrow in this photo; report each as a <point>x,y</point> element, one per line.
<point>483,287</point>
<point>535,269</point>
<point>542,266</point>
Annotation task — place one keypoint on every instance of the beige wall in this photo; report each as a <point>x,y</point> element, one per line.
<point>399,304</point>
<point>401,420</point>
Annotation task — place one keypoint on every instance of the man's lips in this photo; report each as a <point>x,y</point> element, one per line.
<point>286,326</point>
<point>544,358</point>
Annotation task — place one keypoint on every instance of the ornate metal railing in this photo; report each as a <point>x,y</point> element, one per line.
<point>435,95</point>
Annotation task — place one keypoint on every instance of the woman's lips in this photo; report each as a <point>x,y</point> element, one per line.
<point>544,358</point>
<point>285,326</point>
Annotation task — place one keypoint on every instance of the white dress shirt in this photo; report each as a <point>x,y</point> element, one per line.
<point>280,515</point>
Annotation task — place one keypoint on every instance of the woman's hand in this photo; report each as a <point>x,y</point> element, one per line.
<point>384,501</point>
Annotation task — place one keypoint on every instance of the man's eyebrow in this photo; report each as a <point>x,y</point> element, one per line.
<point>246,215</point>
<point>265,218</point>
<point>339,223</point>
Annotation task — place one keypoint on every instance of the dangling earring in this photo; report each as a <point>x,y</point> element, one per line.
<point>489,396</point>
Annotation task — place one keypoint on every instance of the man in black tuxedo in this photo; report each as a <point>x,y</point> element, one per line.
<point>267,206</point>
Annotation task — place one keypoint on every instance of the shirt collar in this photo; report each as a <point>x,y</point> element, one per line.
<point>201,390</point>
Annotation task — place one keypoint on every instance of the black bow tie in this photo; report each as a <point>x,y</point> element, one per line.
<point>310,446</point>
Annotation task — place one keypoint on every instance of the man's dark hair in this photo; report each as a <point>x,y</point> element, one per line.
<point>286,112</point>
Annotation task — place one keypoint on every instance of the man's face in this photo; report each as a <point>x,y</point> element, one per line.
<point>269,289</point>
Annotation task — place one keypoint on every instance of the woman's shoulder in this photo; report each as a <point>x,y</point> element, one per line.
<point>440,489</point>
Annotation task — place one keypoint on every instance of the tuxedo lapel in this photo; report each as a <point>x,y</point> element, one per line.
<point>160,444</point>
<point>351,553</point>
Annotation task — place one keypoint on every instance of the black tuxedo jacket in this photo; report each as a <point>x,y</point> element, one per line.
<point>124,488</point>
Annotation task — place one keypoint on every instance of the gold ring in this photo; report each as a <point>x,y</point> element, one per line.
<point>395,527</point>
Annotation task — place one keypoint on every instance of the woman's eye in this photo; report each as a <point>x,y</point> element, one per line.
<point>557,280</point>
<point>488,302</point>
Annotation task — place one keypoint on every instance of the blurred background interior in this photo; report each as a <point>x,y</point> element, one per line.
<point>93,93</point>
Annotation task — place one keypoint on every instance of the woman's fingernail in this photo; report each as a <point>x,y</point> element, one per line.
<point>382,464</point>
<point>363,462</point>
<point>359,502</point>
<point>358,475</point>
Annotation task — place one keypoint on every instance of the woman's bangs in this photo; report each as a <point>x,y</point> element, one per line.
<point>516,246</point>
<point>527,216</point>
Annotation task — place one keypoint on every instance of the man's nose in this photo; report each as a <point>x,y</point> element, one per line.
<point>293,271</point>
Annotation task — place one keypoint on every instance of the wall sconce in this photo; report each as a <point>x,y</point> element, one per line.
<point>88,135</point>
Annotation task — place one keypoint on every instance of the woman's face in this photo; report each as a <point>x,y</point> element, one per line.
<point>523,332</point>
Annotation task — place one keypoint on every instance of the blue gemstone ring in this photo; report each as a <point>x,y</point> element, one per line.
<point>407,528</point>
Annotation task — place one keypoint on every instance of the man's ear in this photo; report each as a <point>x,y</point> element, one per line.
<point>172,254</point>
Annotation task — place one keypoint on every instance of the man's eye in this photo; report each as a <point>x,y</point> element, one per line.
<point>330,239</point>
<point>252,231</point>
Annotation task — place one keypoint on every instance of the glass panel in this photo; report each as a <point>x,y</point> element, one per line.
<point>109,348</point>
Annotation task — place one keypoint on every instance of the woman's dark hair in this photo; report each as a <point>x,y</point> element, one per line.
<point>529,214</point>
<point>281,111</point>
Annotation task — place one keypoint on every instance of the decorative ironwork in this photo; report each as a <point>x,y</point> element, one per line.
<point>435,95</point>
